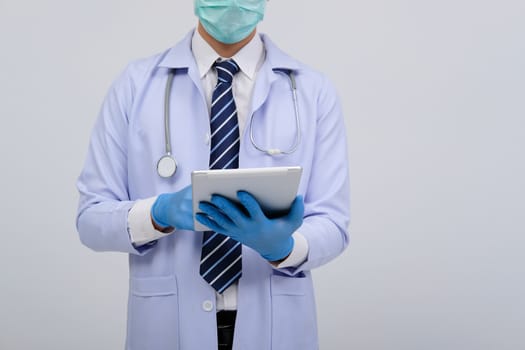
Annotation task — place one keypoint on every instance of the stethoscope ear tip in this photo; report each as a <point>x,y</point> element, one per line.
<point>274,151</point>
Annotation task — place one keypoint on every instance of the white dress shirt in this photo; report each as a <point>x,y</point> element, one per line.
<point>249,59</point>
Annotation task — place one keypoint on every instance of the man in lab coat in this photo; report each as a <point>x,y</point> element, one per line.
<point>246,283</point>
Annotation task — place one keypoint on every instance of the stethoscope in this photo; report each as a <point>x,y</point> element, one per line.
<point>167,165</point>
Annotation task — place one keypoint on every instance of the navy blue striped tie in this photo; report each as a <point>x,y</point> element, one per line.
<point>221,263</point>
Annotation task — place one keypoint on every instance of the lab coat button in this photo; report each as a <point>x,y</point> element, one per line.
<point>207,138</point>
<point>207,305</point>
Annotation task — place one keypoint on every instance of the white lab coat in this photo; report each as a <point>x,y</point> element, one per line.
<point>170,305</point>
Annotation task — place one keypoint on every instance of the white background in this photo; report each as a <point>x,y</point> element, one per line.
<point>434,97</point>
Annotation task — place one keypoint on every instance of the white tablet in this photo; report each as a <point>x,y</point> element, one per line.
<point>275,188</point>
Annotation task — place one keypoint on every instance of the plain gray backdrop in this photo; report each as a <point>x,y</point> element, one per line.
<point>434,98</point>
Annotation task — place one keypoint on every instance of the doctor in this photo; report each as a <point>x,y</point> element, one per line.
<point>226,94</point>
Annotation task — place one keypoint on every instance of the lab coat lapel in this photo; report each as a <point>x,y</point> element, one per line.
<point>265,78</point>
<point>275,59</point>
<point>180,57</point>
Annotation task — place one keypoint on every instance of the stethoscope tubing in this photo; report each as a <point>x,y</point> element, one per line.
<point>270,151</point>
<point>273,151</point>
<point>167,94</point>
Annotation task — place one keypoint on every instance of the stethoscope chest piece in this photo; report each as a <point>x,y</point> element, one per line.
<point>166,166</point>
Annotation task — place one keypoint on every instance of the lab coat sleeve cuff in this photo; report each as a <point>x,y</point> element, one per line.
<point>140,226</point>
<point>299,252</point>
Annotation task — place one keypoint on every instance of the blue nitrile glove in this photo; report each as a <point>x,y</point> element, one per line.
<point>272,238</point>
<point>174,210</point>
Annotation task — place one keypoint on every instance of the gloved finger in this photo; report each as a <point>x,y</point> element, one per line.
<point>212,225</point>
<point>229,208</point>
<point>296,213</point>
<point>206,221</point>
<point>217,215</point>
<point>251,205</point>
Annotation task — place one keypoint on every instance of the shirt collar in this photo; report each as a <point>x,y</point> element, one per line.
<point>181,56</point>
<point>249,58</point>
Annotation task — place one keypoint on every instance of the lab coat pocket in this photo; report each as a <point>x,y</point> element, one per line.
<point>294,324</point>
<point>153,314</point>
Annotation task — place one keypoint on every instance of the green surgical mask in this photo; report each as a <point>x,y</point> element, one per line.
<point>229,21</point>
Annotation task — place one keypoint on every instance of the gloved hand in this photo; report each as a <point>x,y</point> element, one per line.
<point>247,224</point>
<point>174,209</point>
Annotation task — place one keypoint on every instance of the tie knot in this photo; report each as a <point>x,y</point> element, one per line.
<point>226,70</point>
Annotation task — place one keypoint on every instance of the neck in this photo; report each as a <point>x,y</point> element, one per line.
<point>224,50</point>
